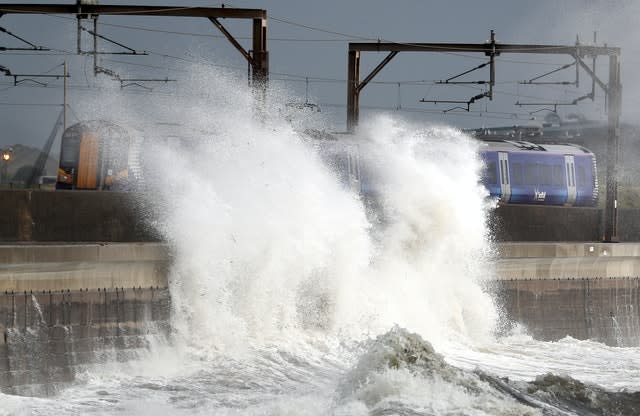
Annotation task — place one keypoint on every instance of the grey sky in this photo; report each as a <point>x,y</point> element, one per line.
<point>28,111</point>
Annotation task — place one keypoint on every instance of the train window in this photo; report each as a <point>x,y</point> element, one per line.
<point>503,172</point>
<point>573,175</point>
<point>506,172</point>
<point>516,173</point>
<point>530,174</point>
<point>70,151</point>
<point>545,175</point>
<point>558,175</point>
<point>582,178</point>
<point>490,173</point>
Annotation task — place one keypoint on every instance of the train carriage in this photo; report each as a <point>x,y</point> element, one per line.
<point>518,172</point>
<point>97,155</point>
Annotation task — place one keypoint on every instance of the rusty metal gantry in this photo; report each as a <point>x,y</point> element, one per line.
<point>258,57</point>
<point>613,91</point>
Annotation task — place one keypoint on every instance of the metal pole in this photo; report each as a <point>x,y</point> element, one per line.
<point>353,92</point>
<point>64,98</point>
<point>260,62</point>
<point>613,142</point>
<point>79,27</point>
<point>593,79</point>
<point>492,66</point>
<point>4,175</point>
<point>260,66</point>
<point>95,45</point>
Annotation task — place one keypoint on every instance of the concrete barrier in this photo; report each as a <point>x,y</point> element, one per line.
<point>546,223</point>
<point>567,260</point>
<point>63,305</point>
<point>583,290</point>
<point>604,310</point>
<point>90,216</point>
<point>564,249</point>
<point>46,336</point>
<point>82,266</point>
<point>74,216</point>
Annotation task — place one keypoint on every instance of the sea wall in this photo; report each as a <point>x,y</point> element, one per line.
<point>65,306</point>
<point>582,290</point>
<point>540,223</point>
<point>599,309</point>
<point>74,216</point>
<point>554,223</point>
<point>56,267</point>
<point>90,216</point>
<point>46,337</point>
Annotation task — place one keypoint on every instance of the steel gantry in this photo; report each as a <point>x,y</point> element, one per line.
<point>257,57</point>
<point>491,48</point>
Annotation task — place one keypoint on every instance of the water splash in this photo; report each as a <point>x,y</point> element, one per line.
<point>617,331</point>
<point>400,373</point>
<point>36,306</point>
<point>267,239</point>
<point>432,244</point>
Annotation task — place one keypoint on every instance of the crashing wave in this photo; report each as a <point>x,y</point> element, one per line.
<point>400,373</point>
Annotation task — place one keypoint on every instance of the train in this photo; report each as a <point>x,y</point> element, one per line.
<point>515,172</point>
<point>521,172</point>
<point>100,155</point>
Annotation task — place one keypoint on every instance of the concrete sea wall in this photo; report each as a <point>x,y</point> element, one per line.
<point>599,309</point>
<point>587,291</point>
<point>64,306</point>
<point>74,216</point>
<point>89,216</point>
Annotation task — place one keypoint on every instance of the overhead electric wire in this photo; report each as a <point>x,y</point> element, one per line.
<point>352,36</point>
<point>512,94</point>
<point>313,79</point>
<point>31,104</point>
<point>486,114</point>
<point>474,114</point>
<point>339,81</point>
<point>116,61</point>
<point>201,35</point>
<point>347,36</point>
<point>289,77</point>
<point>37,54</point>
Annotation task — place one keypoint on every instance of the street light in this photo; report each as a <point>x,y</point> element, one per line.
<point>6,157</point>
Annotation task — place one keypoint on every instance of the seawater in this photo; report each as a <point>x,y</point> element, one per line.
<point>294,296</point>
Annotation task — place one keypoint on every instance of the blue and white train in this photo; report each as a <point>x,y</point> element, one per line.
<point>519,172</point>
<point>516,172</point>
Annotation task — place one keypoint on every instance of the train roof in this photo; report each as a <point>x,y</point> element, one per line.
<point>104,127</point>
<point>524,146</point>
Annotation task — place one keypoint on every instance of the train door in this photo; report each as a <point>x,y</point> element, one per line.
<point>570,168</point>
<point>505,180</point>
<point>87,176</point>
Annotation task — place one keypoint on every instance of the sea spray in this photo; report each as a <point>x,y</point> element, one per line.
<point>257,221</point>
<point>267,239</point>
<point>432,243</point>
